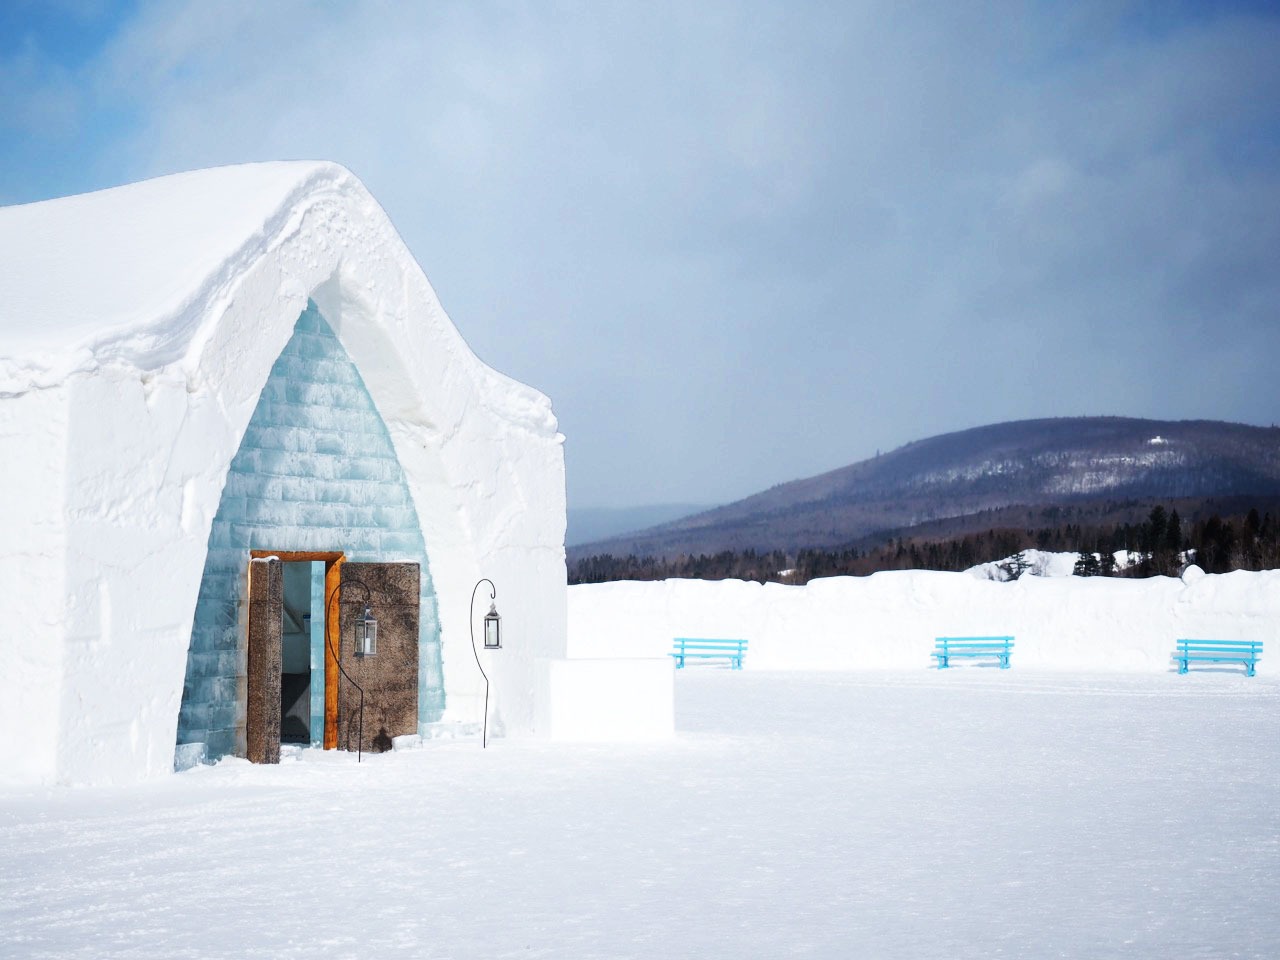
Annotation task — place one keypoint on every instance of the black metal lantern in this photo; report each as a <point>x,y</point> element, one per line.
<point>367,634</point>
<point>492,629</point>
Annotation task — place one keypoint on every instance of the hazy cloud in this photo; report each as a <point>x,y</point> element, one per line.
<point>739,243</point>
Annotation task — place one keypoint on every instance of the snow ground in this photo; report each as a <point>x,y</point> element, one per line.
<point>966,813</point>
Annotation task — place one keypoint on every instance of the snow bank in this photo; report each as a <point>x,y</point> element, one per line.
<point>889,620</point>
<point>137,328</point>
<point>1028,563</point>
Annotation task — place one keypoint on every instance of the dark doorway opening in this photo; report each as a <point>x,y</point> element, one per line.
<point>295,654</point>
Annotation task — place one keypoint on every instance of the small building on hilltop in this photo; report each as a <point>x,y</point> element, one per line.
<point>236,431</point>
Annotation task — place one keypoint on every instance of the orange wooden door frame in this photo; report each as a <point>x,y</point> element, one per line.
<point>332,561</point>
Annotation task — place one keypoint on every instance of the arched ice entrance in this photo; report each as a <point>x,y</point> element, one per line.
<point>315,473</point>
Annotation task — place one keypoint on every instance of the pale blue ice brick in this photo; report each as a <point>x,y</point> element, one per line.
<point>201,664</point>
<point>359,469</point>
<point>193,715</point>
<point>319,514</point>
<point>290,369</point>
<point>333,371</point>
<point>220,743</point>
<point>231,509</point>
<point>313,347</point>
<point>189,755</point>
<point>353,422</point>
<point>394,518</point>
<point>331,396</point>
<point>275,513</point>
<point>222,714</point>
<point>333,491</point>
<point>273,392</point>
<point>333,444</point>
<point>224,689</point>
<point>220,535</point>
<point>225,639</point>
<point>217,612</point>
<point>362,516</point>
<point>216,585</point>
<point>246,461</point>
<point>297,489</point>
<point>308,322</point>
<point>292,415</point>
<point>389,495</point>
<point>373,445</point>
<point>260,436</point>
<point>400,545</point>
<point>237,485</point>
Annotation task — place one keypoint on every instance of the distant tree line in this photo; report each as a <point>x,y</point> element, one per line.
<point>1159,545</point>
<point>726,565</point>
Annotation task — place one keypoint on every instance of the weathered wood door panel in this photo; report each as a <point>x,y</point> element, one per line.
<point>390,678</point>
<point>266,630</point>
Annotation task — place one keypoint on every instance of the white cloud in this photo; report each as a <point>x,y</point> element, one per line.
<point>738,243</point>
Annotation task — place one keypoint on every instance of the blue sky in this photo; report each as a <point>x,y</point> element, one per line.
<point>739,243</point>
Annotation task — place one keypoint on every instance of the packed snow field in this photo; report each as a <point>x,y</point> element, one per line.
<point>968,813</point>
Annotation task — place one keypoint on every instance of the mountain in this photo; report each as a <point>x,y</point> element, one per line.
<point>960,480</point>
<point>587,524</point>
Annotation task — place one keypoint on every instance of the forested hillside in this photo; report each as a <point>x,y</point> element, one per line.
<point>1026,475</point>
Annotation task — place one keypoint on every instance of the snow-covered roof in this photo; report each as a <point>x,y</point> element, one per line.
<point>114,275</point>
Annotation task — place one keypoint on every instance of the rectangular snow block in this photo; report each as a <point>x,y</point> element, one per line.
<point>605,700</point>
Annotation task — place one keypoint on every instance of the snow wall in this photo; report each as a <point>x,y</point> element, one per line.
<point>138,327</point>
<point>888,621</point>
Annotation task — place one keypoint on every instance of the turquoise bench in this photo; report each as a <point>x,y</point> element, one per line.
<point>1247,652</point>
<point>947,649</point>
<point>699,648</point>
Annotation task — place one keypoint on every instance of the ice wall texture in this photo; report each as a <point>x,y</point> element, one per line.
<point>316,471</point>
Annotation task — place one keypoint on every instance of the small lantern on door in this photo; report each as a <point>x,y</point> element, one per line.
<point>367,633</point>
<point>492,629</point>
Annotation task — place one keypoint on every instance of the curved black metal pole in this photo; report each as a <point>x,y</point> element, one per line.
<point>328,610</point>
<point>493,595</point>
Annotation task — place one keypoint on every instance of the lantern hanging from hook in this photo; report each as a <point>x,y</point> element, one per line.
<point>492,629</point>
<point>367,633</point>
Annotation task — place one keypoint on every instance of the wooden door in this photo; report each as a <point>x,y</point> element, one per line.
<point>266,629</point>
<point>390,678</point>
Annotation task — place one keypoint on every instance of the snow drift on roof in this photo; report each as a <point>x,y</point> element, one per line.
<point>124,275</point>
